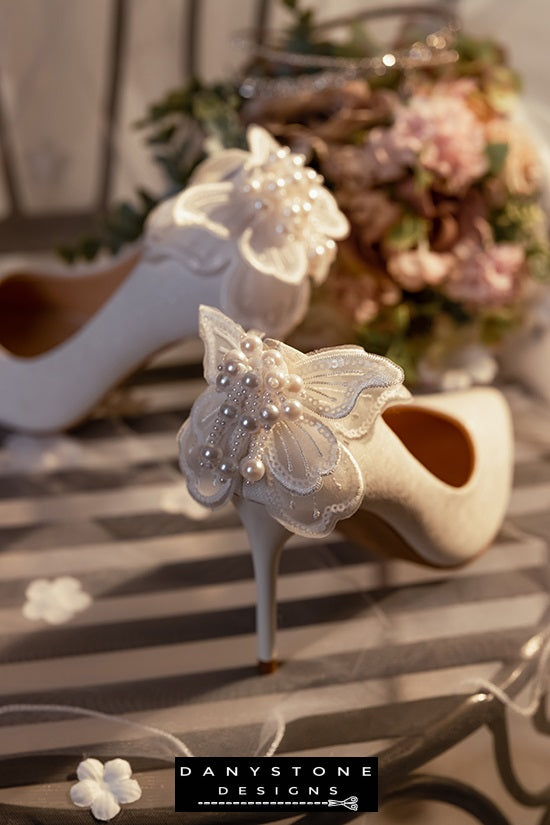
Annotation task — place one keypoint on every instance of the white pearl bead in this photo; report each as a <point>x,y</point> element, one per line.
<point>249,423</point>
<point>223,382</point>
<point>211,453</point>
<point>270,413</point>
<point>228,410</point>
<point>272,357</point>
<point>234,355</point>
<point>232,366</point>
<point>251,342</point>
<point>251,380</point>
<point>227,467</point>
<point>294,383</point>
<point>292,409</point>
<point>252,469</point>
<point>275,379</point>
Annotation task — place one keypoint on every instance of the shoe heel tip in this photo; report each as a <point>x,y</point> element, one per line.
<point>267,667</point>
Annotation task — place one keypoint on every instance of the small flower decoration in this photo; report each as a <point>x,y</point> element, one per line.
<point>458,370</point>
<point>265,220</point>
<point>275,425</point>
<point>102,787</point>
<point>55,601</point>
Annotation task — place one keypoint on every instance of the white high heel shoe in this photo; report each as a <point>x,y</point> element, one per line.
<point>247,235</point>
<point>303,442</point>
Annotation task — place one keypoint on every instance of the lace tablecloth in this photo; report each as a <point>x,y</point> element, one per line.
<point>373,651</point>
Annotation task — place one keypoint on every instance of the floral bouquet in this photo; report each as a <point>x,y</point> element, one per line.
<point>422,148</point>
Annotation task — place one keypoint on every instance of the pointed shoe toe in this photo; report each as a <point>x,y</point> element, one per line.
<point>306,443</point>
<point>438,474</point>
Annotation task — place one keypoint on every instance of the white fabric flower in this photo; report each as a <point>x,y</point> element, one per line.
<point>459,370</point>
<point>265,220</point>
<point>275,424</point>
<point>55,601</point>
<point>103,787</point>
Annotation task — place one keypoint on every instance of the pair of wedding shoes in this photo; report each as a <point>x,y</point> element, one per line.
<point>302,443</point>
<point>247,235</point>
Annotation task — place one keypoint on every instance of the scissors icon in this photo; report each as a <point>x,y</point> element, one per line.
<point>350,803</point>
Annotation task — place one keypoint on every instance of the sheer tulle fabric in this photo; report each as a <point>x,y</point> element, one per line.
<point>310,478</point>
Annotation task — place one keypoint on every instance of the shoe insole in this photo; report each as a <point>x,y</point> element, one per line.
<point>39,312</point>
<point>441,444</point>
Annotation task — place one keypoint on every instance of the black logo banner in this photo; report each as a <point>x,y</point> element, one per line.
<point>287,784</point>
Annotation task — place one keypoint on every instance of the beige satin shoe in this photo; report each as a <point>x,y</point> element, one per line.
<point>305,443</point>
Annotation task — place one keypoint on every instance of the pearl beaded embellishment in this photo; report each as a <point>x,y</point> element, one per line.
<point>275,426</point>
<point>256,392</point>
<point>286,190</point>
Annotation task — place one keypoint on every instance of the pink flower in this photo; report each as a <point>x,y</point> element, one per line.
<point>439,131</point>
<point>488,276</point>
<point>417,268</point>
<point>385,157</point>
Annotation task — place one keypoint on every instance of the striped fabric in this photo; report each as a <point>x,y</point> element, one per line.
<point>372,650</point>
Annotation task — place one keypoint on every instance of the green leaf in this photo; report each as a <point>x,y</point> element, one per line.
<point>496,153</point>
<point>66,253</point>
<point>423,179</point>
<point>90,247</point>
<point>538,261</point>
<point>163,136</point>
<point>401,316</point>
<point>401,353</point>
<point>407,233</point>
<point>497,324</point>
<point>478,50</point>
<point>147,199</point>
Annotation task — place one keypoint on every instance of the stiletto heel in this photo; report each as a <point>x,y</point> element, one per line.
<point>267,538</point>
<point>302,442</point>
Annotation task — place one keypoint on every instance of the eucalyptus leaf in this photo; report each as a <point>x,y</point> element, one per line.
<point>408,233</point>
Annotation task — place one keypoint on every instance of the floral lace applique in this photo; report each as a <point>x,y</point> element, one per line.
<point>262,218</point>
<point>274,424</point>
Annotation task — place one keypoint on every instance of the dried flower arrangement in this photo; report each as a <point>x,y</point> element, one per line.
<point>439,180</point>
